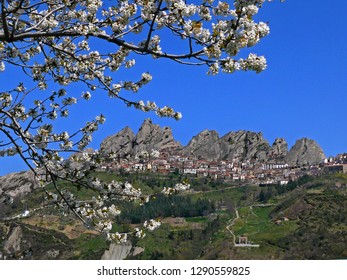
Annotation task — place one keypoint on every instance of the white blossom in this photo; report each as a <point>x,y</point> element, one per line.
<point>95,39</point>
<point>151,224</point>
<point>179,187</point>
<point>250,10</point>
<point>146,77</point>
<point>139,233</point>
<point>130,63</point>
<point>253,62</point>
<point>214,69</point>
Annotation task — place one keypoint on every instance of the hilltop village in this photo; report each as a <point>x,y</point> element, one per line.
<point>226,170</point>
<point>236,156</point>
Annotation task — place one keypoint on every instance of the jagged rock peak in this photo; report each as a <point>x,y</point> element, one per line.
<point>205,145</point>
<point>245,145</point>
<point>305,152</point>
<point>206,134</point>
<point>279,149</point>
<point>152,136</point>
<point>242,145</point>
<point>147,121</point>
<point>120,143</point>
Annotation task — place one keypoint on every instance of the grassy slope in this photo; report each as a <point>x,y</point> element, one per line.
<point>317,228</point>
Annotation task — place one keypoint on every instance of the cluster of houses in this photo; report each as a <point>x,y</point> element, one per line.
<point>227,170</point>
<point>336,164</point>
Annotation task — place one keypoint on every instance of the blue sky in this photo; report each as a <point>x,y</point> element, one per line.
<point>303,93</point>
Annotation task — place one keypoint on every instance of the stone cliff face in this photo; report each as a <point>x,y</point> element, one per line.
<point>117,251</point>
<point>16,185</point>
<point>13,242</point>
<point>242,145</point>
<point>151,136</point>
<point>206,145</point>
<point>248,145</point>
<point>121,251</point>
<point>120,143</point>
<point>278,150</point>
<point>305,152</point>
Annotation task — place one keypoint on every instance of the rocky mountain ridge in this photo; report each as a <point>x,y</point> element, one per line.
<point>149,137</point>
<point>242,145</point>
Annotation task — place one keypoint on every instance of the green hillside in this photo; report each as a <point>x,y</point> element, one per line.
<point>306,219</point>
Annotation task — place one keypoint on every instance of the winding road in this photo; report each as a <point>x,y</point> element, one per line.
<point>231,222</point>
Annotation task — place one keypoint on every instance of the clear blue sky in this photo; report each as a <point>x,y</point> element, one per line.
<point>303,93</point>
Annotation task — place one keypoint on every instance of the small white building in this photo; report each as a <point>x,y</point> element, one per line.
<point>189,171</point>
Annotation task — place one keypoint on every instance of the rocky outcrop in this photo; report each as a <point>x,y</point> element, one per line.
<point>121,251</point>
<point>206,145</point>
<point>244,145</point>
<point>117,251</point>
<point>16,184</point>
<point>151,137</point>
<point>305,152</point>
<point>121,143</point>
<point>24,241</point>
<point>278,150</point>
<point>13,242</point>
<point>251,146</point>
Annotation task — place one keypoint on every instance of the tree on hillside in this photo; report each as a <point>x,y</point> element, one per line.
<point>55,44</point>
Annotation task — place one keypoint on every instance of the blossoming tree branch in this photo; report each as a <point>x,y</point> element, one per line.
<point>54,44</point>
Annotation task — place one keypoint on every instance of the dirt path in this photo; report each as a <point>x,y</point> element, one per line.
<point>231,222</point>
